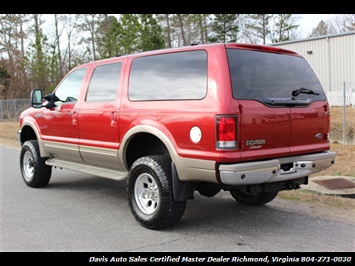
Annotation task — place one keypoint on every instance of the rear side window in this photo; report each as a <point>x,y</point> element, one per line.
<point>104,83</point>
<point>260,74</point>
<point>174,76</point>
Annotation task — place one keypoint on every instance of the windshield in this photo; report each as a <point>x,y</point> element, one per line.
<point>257,74</point>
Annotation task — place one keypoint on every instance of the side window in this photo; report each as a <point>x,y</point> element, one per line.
<point>104,83</point>
<point>174,76</point>
<point>68,90</point>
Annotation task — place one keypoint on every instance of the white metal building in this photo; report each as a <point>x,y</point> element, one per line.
<point>332,58</point>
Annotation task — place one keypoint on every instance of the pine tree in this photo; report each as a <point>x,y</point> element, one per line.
<point>225,28</point>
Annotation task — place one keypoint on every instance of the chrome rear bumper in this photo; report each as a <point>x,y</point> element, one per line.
<point>270,171</point>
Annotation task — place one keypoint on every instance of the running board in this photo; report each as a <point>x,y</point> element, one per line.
<point>89,169</point>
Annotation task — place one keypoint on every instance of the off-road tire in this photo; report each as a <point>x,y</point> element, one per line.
<point>259,199</point>
<point>34,171</point>
<point>150,193</point>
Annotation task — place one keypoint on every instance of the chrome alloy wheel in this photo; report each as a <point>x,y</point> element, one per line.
<point>146,193</point>
<point>28,165</point>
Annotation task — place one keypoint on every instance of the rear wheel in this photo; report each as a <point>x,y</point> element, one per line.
<point>150,193</point>
<point>257,199</point>
<point>34,171</point>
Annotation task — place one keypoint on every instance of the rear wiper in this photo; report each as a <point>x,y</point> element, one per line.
<point>303,90</point>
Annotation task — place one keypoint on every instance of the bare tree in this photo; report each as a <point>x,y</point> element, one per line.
<point>58,33</point>
<point>181,24</point>
<point>13,61</point>
<point>258,25</point>
<point>323,28</point>
<point>283,27</point>
<point>168,33</point>
<point>344,22</point>
<point>199,22</point>
<point>71,40</point>
<point>246,31</point>
<point>90,24</point>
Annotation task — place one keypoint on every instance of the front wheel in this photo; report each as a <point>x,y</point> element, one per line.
<point>150,193</point>
<point>257,199</point>
<point>34,171</point>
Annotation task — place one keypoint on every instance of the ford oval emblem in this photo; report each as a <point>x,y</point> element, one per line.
<point>319,136</point>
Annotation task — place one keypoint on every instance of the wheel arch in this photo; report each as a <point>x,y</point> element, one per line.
<point>29,131</point>
<point>147,140</point>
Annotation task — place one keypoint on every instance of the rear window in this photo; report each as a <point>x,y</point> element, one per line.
<point>174,76</point>
<point>257,74</point>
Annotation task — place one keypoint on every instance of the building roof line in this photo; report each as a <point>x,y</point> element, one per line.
<point>315,38</point>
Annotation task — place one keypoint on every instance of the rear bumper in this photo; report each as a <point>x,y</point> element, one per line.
<point>270,171</point>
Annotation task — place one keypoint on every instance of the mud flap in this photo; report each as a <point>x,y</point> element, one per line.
<point>182,191</point>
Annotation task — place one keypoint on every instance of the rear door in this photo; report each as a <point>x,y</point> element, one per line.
<point>98,117</point>
<point>273,121</point>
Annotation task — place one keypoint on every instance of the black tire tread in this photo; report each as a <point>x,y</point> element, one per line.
<point>259,199</point>
<point>42,172</point>
<point>170,211</point>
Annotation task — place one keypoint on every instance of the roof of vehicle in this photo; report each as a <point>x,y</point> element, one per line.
<point>246,46</point>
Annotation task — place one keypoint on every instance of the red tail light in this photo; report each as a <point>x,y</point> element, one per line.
<point>226,132</point>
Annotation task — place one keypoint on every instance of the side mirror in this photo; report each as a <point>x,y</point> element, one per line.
<point>36,98</point>
<point>51,99</point>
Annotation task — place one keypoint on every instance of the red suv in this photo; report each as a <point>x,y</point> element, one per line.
<point>249,119</point>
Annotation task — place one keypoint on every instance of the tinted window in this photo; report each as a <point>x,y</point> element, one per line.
<point>260,74</point>
<point>68,90</point>
<point>104,83</point>
<point>172,76</point>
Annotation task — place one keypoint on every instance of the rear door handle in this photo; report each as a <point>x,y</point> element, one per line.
<point>114,119</point>
<point>74,121</point>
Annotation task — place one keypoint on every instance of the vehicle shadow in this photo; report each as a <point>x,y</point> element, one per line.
<point>96,212</point>
<point>201,212</point>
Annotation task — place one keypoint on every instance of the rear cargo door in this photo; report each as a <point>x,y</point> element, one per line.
<point>273,119</point>
<point>264,132</point>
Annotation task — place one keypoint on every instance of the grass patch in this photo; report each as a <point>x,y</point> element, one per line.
<point>337,122</point>
<point>287,196</point>
<point>8,130</point>
<point>313,197</point>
